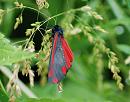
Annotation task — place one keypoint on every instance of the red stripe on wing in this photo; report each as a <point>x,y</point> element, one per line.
<point>67,59</point>
<point>54,47</point>
<point>51,72</point>
<point>67,52</point>
<point>66,47</point>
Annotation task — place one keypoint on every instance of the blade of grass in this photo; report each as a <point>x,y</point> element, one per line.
<point>118,12</point>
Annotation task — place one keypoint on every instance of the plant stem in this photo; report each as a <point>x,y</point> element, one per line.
<point>21,41</point>
<point>23,87</point>
<point>35,10</point>
<point>62,13</point>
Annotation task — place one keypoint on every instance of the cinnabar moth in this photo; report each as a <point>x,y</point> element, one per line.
<point>61,56</point>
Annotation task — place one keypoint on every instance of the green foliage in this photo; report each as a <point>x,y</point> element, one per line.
<point>3,95</point>
<point>95,49</point>
<point>124,48</point>
<point>39,100</point>
<point>10,54</point>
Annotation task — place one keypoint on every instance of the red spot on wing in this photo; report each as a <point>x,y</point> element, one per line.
<point>67,49</point>
<point>64,70</point>
<point>55,80</point>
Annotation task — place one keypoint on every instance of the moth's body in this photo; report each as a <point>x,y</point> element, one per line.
<point>61,56</point>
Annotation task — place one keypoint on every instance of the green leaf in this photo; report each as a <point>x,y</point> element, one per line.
<point>124,48</point>
<point>2,87</point>
<point>119,13</point>
<point>7,20</point>
<point>3,95</point>
<point>10,54</point>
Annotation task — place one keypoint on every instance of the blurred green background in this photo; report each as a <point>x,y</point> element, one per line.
<point>86,81</point>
